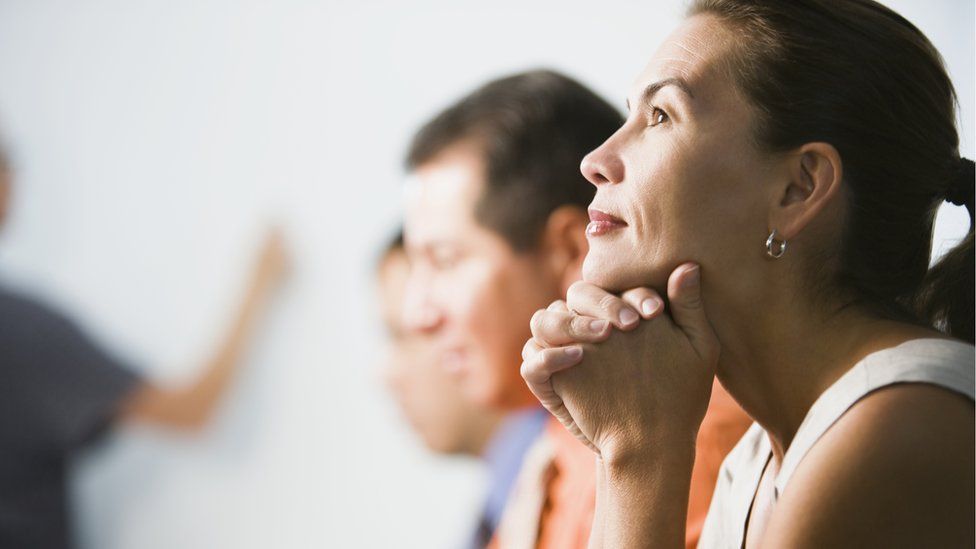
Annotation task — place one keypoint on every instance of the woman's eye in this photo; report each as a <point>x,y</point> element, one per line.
<point>658,116</point>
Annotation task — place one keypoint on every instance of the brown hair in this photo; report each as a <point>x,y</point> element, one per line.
<point>857,75</point>
<point>534,128</point>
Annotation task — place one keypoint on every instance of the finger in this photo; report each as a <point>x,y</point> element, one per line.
<point>530,349</point>
<point>540,367</point>
<point>591,300</point>
<point>645,300</point>
<point>554,329</point>
<point>537,372</point>
<point>552,402</point>
<point>688,310</point>
<point>566,418</point>
<point>558,305</point>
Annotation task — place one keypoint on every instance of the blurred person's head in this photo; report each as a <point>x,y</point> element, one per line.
<point>495,221</point>
<point>431,401</point>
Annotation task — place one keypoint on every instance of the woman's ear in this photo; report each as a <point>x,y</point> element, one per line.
<point>816,173</point>
<point>564,244</point>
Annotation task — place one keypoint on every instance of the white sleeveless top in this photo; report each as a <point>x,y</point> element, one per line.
<point>947,364</point>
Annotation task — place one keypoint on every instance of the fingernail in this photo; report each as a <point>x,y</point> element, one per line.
<point>628,316</point>
<point>692,277</point>
<point>650,305</point>
<point>597,326</point>
<point>573,352</point>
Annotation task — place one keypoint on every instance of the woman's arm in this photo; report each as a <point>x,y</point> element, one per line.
<point>644,503</point>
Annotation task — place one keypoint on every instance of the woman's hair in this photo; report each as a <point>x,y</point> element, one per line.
<point>859,76</point>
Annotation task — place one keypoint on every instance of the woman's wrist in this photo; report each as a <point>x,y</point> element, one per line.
<point>637,456</point>
<point>642,495</point>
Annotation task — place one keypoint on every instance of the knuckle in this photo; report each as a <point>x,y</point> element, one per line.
<point>531,370</point>
<point>538,319</point>
<point>578,326</point>
<point>556,305</point>
<point>576,293</point>
<point>609,303</point>
<point>693,303</point>
<point>576,287</point>
<point>534,368</point>
<point>549,360</point>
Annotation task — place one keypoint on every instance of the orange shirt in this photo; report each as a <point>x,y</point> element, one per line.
<point>723,426</point>
<point>567,514</point>
<point>570,480</point>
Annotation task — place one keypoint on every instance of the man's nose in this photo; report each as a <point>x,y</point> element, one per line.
<point>419,314</point>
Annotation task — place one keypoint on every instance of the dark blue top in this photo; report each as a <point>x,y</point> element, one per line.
<point>503,456</point>
<point>58,390</point>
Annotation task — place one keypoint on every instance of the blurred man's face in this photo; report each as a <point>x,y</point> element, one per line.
<point>468,289</point>
<point>428,397</point>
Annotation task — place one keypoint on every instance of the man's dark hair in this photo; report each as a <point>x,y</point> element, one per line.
<point>534,128</point>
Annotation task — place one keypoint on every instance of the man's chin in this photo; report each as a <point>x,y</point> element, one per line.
<point>497,396</point>
<point>441,444</point>
<point>482,394</point>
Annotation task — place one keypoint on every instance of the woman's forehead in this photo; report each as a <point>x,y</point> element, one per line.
<point>694,53</point>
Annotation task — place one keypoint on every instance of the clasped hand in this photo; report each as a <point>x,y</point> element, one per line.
<point>621,373</point>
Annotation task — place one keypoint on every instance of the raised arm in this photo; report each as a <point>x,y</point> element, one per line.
<point>191,406</point>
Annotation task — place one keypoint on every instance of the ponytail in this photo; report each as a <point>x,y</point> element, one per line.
<point>946,296</point>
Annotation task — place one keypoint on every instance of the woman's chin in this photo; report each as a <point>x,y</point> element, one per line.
<point>616,277</point>
<point>604,274</point>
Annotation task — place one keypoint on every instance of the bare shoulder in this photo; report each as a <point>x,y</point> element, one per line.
<point>896,470</point>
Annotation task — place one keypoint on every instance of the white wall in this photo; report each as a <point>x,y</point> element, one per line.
<point>153,140</point>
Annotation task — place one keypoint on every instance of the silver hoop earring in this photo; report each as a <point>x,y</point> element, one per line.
<point>775,248</point>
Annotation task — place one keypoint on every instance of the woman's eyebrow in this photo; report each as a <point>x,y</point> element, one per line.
<point>655,87</point>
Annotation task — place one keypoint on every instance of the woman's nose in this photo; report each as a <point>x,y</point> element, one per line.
<point>603,165</point>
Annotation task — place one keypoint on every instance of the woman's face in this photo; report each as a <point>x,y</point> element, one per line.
<point>681,179</point>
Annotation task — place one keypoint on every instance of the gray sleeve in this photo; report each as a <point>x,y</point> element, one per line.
<point>58,389</point>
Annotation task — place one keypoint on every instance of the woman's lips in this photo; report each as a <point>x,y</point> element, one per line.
<point>602,223</point>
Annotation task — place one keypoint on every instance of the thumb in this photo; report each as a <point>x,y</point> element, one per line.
<point>688,310</point>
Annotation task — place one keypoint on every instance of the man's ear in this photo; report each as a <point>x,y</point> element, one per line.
<point>564,244</point>
<point>816,173</point>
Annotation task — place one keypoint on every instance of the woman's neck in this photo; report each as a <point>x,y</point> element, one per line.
<point>778,360</point>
